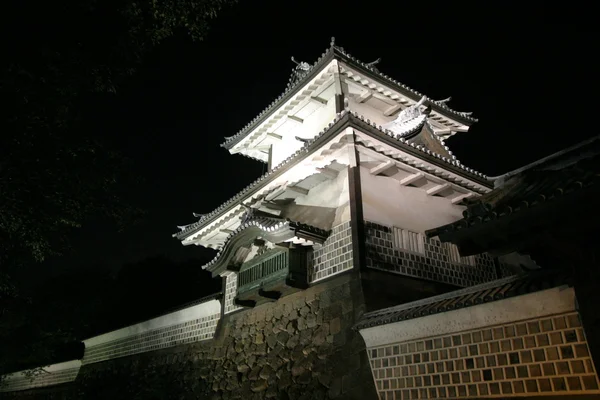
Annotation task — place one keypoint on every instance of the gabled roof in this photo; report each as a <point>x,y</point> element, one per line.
<point>342,120</point>
<point>338,53</point>
<point>541,182</point>
<point>269,227</point>
<point>492,291</point>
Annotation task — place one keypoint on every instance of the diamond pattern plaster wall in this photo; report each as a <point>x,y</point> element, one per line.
<point>532,357</point>
<point>334,256</point>
<point>187,332</point>
<point>230,292</point>
<point>433,264</point>
<point>44,378</point>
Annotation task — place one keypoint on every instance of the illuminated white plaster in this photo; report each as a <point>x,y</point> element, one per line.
<point>299,105</point>
<point>198,311</point>
<point>387,202</point>
<point>308,166</point>
<point>529,306</point>
<point>50,375</point>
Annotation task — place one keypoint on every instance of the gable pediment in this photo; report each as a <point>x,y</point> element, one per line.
<point>260,232</point>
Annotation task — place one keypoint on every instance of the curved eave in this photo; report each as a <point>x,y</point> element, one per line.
<point>342,120</point>
<point>339,54</point>
<point>418,151</point>
<point>503,214</point>
<point>403,89</point>
<point>309,147</point>
<point>272,231</point>
<point>488,292</point>
<point>290,92</point>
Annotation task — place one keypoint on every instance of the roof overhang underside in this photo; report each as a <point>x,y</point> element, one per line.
<point>530,204</point>
<point>270,229</point>
<point>336,62</point>
<point>501,289</point>
<point>318,153</point>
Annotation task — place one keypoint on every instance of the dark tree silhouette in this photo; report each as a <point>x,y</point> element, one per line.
<point>54,175</point>
<point>46,325</point>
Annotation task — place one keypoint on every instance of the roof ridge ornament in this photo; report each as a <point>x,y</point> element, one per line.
<point>299,72</point>
<point>409,120</point>
<point>248,213</point>
<point>444,101</point>
<point>332,43</point>
<point>372,64</point>
<point>304,140</point>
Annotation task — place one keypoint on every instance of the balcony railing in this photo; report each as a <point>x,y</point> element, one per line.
<point>285,265</point>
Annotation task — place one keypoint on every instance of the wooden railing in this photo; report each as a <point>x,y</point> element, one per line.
<point>273,265</point>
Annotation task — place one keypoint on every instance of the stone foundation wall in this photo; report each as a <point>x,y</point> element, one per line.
<point>300,347</point>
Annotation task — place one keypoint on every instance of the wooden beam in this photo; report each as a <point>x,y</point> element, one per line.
<point>295,119</point>
<point>462,197</point>
<point>383,167</point>
<point>264,148</point>
<point>412,178</point>
<point>298,189</point>
<point>366,95</point>
<point>328,172</point>
<point>275,194</point>
<point>244,303</point>
<point>318,100</point>
<point>272,206</point>
<point>438,189</point>
<point>267,294</point>
<point>270,159</point>
<point>274,135</point>
<point>270,210</point>
<point>392,110</point>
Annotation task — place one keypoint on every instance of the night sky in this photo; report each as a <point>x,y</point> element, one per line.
<point>521,71</point>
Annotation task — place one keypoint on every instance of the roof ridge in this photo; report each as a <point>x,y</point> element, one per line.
<point>332,50</point>
<point>438,103</point>
<point>289,88</point>
<point>495,290</point>
<point>275,169</point>
<point>346,112</point>
<point>252,222</point>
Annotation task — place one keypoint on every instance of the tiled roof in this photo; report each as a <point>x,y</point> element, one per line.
<point>406,144</point>
<point>278,169</point>
<point>309,145</point>
<point>270,226</point>
<point>529,188</point>
<point>492,291</point>
<point>335,52</point>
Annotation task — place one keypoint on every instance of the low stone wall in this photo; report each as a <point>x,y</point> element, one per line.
<point>299,347</point>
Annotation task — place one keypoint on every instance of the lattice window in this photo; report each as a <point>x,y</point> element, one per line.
<point>455,256</point>
<point>408,240</point>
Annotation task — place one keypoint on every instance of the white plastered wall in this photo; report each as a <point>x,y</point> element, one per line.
<point>387,202</point>
<point>534,305</point>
